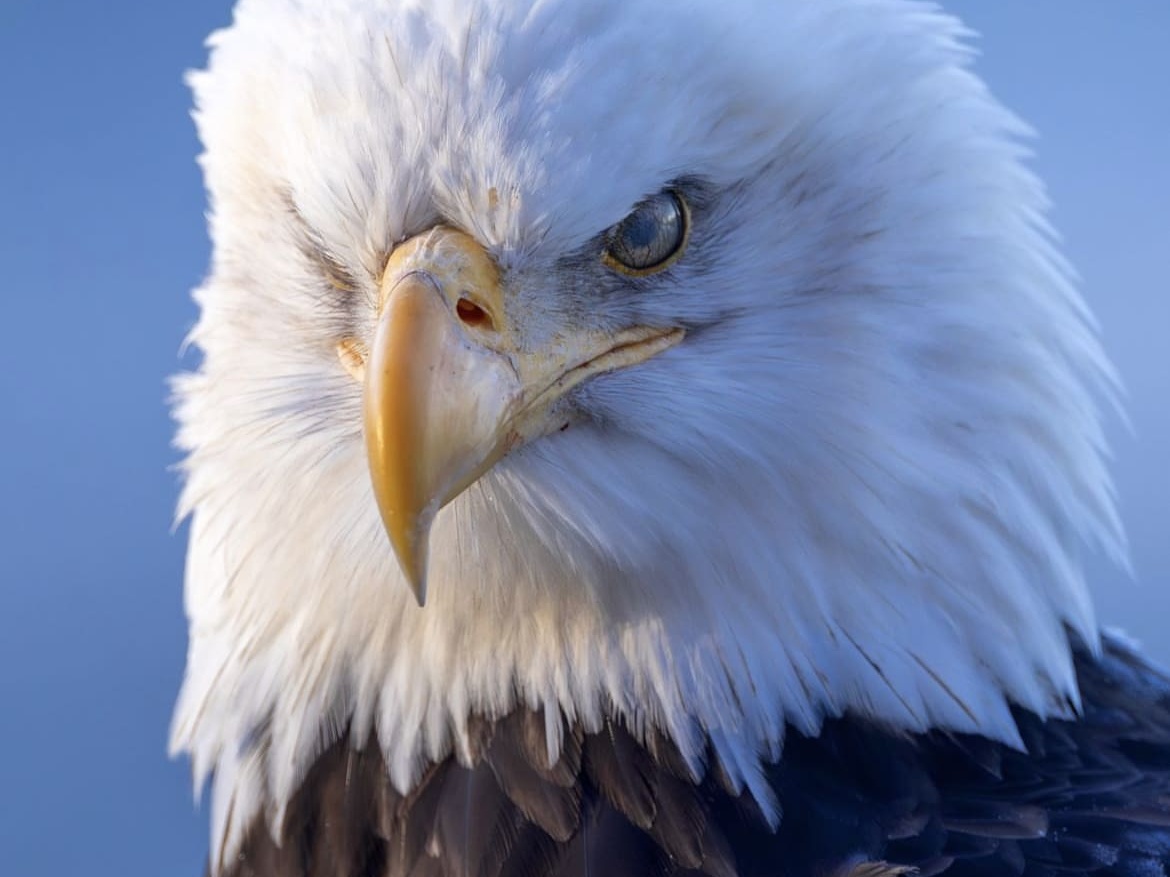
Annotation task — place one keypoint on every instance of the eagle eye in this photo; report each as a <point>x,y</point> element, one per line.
<point>651,238</point>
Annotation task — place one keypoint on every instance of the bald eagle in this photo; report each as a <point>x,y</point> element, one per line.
<point>638,438</point>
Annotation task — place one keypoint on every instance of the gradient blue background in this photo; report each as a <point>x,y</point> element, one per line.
<point>102,236</point>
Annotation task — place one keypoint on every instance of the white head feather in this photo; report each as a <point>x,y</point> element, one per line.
<point>861,484</point>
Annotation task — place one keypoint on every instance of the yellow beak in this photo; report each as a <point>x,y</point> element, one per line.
<point>449,389</point>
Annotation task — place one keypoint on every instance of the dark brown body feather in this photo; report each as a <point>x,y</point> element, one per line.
<point>1091,796</point>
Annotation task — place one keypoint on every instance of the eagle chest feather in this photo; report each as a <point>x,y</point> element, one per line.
<point>1090,796</point>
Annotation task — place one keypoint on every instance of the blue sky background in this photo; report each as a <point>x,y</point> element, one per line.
<point>102,237</point>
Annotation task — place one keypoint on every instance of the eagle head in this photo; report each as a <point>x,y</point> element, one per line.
<point>710,368</point>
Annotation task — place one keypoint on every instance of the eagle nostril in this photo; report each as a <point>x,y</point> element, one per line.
<point>472,315</point>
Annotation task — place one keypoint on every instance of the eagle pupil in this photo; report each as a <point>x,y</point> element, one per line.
<point>640,233</point>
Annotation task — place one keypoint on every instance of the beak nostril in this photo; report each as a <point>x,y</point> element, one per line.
<point>472,314</point>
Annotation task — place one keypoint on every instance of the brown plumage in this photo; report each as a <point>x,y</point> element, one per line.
<point>1087,796</point>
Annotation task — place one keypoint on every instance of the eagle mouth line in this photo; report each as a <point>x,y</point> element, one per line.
<point>633,347</point>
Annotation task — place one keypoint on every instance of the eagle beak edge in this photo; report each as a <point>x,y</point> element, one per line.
<point>449,390</point>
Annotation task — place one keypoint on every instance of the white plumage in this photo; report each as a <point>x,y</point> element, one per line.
<point>862,483</point>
